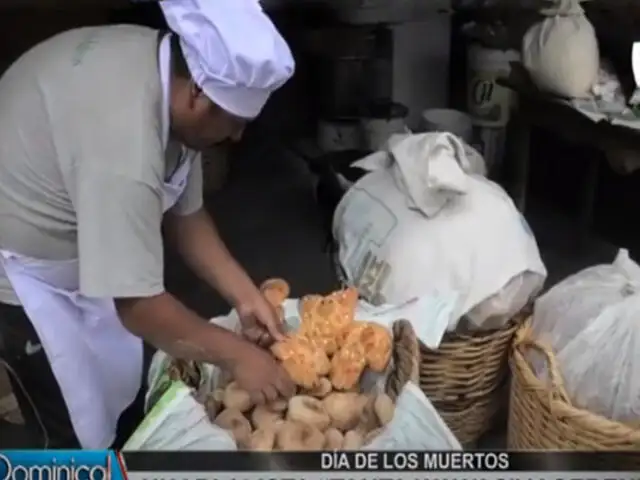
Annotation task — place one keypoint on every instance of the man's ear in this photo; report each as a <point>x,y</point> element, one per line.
<point>194,92</point>
<point>196,95</point>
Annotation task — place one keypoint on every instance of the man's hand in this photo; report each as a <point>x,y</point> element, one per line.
<point>260,321</point>
<point>257,372</point>
<point>204,251</point>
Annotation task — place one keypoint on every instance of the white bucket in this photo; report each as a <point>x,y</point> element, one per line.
<point>489,103</point>
<point>635,62</point>
<point>447,120</point>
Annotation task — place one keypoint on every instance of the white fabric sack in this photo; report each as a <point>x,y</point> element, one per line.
<point>561,52</point>
<point>176,421</point>
<point>590,320</point>
<point>419,224</point>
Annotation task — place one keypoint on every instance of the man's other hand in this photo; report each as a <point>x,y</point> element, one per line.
<point>261,323</point>
<point>257,371</point>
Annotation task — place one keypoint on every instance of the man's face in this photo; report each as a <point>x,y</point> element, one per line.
<point>199,124</point>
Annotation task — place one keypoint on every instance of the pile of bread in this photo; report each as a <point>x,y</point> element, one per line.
<point>324,419</point>
<point>326,358</point>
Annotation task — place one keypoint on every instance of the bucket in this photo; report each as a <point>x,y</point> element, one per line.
<point>447,120</point>
<point>488,103</point>
<point>381,122</point>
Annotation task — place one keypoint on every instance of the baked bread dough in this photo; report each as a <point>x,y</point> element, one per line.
<point>324,319</point>
<point>275,290</point>
<point>375,339</point>
<point>304,363</point>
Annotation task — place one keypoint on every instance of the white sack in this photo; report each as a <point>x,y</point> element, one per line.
<point>590,320</point>
<point>176,421</point>
<point>561,52</point>
<point>419,224</point>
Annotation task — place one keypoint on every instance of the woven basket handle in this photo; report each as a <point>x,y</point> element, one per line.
<point>406,358</point>
<point>525,340</point>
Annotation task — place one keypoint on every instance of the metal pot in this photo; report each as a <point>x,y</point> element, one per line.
<point>339,135</point>
<point>381,121</point>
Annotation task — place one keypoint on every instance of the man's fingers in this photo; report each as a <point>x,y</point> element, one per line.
<point>265,339</point>
<point>253,334</point>
<point>276,330</point>
<point>257,397</point>
<point>285,385</point>
<point>271,393</point>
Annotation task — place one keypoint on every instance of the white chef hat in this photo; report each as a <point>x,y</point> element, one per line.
<point>234,52</point>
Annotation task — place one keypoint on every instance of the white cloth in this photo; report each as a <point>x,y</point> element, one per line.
<point>96,361</point>
<point>164,64</point>
<point>233,50</point>
<point>590,321</point>
<point>561,51</point>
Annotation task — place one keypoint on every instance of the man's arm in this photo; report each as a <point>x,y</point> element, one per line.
<point>198,241</point>
<point>121,257</point>
<point>170,326</point>
<point>193,232</point>
<point>196,237</point>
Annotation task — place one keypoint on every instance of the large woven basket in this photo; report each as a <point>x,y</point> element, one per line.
<point>470,421</point>
<point>464,375</point>
<point>405,362</point>
<point>542,416</point>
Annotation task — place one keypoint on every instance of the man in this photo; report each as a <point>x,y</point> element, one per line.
<point>99,129</point>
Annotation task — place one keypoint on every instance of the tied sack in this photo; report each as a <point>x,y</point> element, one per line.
<point>420,224</point>
<point>561,52</point>
<point>590,320</point>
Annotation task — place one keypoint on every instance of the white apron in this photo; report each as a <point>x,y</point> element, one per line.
<point>96,361</point>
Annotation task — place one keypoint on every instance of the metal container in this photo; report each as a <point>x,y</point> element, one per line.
<point>381,121</point>
<point>339,134</point>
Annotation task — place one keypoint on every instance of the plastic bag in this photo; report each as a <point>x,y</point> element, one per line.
<point>176,421</point>
<point>590,321</point>
<point>420,224</point>
<point>561,52</point>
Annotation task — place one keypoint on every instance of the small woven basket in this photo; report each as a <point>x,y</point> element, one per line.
<point>464,375</point>
<point>542,417</point>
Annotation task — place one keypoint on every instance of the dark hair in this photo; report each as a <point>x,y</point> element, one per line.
<point>178,63</point>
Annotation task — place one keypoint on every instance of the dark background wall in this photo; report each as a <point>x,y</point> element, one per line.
<point>557,166</point>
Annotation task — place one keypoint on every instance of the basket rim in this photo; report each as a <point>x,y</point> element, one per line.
<point>557,401</point>
<point>479,336</point>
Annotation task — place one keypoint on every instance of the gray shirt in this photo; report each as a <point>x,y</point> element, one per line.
<point>82,159</point>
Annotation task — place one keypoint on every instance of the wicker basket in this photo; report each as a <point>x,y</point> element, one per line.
<point>464,375</point>
<point>470,421</point>
<point>541,416</point>
<point>405,362</point>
